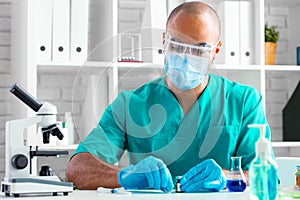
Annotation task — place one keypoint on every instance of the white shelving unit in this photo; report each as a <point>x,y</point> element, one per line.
<point>104,19</point>
<point>285,144</point>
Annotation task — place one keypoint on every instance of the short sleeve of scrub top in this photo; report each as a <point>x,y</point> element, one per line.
<point>107,140</point>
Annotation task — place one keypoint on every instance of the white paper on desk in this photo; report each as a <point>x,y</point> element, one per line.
<point>43,29</point>
<point>79,30</point>
<point>229,12</point>
<point>61,30</point>
<point>246,32</point>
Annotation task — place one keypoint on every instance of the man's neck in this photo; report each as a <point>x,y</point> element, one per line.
<point>187,98</point>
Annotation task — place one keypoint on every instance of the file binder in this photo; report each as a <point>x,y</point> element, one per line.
<point>61,30</point>
<point>43,29</point>
<point>246,32</point>
<point>153,26</point>
<point>230,28</point>
<point>79,30</point>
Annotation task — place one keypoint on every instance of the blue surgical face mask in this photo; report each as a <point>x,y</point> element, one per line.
<point>186,71</point>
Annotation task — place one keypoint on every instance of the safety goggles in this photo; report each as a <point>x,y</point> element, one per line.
<point>176,46</point>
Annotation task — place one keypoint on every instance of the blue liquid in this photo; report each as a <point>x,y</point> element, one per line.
<point>236,185</point>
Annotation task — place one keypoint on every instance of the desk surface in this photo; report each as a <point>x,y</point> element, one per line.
<point>140,195</point>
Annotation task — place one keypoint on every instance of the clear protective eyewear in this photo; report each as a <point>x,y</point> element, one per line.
<point>176,46</point>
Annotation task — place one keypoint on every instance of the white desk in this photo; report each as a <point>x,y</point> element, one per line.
<point>140,195</point>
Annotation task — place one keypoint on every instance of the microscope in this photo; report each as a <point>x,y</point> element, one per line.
<point>18,178</point>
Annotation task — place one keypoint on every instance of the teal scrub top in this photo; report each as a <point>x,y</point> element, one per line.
<point>150,121</point>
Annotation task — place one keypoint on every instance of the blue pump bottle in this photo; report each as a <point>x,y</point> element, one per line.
<point>263,178</point>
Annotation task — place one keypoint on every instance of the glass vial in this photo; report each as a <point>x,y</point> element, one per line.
<point>297,174</point>
<point>177,184</point>
<point>236,181</point>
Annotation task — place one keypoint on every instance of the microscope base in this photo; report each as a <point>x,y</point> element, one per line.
<point>35,185</point>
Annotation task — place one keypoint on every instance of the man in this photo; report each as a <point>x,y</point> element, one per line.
<point>187,124</point>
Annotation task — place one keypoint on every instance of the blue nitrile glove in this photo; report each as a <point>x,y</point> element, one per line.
<point>150,172</point>
<point>207,175</point>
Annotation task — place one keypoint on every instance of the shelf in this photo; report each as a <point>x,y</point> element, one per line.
<point>91,66</point>
<point>59,147</point>
<point>94,66</point>
<point>98,64</point>
<point>282,68</point>
<point>259,67</point>
<point>236,67</point>
<point>288,3</point>
<point>59,64</point>
<point>49,67</point>
<point>103,64</point>
<point>285,144</point>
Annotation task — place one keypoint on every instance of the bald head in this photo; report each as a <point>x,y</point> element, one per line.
<point>195,16</point>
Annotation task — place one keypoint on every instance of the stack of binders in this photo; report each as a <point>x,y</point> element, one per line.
<point>61,29</point>
<point>237,32</point>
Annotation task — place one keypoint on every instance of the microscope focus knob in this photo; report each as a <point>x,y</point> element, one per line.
<point>19,161</point>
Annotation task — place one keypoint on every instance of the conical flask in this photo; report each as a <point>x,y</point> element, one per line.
<point>236,181</point>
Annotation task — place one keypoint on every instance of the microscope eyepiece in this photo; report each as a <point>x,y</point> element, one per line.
<point>24,96</point>
<point>53,130</point>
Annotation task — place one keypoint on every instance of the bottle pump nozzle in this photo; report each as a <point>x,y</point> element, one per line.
<point>263,144</point>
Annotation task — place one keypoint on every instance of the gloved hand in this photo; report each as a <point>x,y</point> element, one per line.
<point>206,175</point>
<point>150,172</point>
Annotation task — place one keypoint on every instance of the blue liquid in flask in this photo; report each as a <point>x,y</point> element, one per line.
<point>236,181</point>
<point>236,185</point>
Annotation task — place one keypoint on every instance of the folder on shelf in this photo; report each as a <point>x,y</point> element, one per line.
<point>43,29</point>
<point>153,25</point>
<point>61,30</point>
<point>229,12</point>
<point>246,32</point>
<point>79,30</point>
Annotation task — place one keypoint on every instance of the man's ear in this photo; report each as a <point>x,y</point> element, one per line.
<point>217,49</point>
<point>163,37</point>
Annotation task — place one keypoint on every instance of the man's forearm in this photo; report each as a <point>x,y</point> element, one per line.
<point>88,172</point>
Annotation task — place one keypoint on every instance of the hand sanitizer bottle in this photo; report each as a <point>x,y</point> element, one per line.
<point>263,179</point>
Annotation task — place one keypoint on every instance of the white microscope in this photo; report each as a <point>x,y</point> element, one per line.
<point>18,179</point>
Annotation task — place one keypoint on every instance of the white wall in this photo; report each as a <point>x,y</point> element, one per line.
<point>5,79</point>
<point>280,85</point>
<point>278,16</point>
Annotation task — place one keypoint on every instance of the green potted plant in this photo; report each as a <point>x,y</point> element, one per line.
<point>271,37</point>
